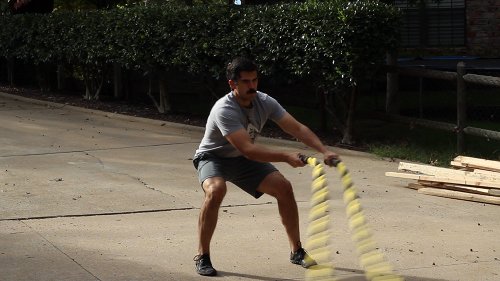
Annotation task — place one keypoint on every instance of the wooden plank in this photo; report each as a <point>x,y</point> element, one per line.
<point>494,192</point>
<point>478,190</point>
<point>430,183</point>
<point>439,171</point>
<point>486,173</point>
<point>415,186</point>
<point>447,172</point>
<point>458,180</point>
<point>402,175</point>
<point>457,164</point>
<point>475,167</point>
<point>483,164</point>
<point>464,167</point>
<point>460,195</point>
<point>456,187</point>
<point>426,169</point>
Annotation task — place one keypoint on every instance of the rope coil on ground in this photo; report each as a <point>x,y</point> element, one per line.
<point>318,243</point>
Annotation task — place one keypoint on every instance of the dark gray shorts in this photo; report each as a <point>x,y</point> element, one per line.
<point>244,173</point>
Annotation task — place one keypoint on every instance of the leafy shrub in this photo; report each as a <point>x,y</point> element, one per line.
<point>332,42</point>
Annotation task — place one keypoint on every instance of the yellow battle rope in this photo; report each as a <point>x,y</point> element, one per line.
<point>318,243</point>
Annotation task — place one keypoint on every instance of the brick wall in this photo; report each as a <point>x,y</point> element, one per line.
<point>483,27</point>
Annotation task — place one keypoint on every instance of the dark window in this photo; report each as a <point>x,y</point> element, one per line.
<point>433,24</point>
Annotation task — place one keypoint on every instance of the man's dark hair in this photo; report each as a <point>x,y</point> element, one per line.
<point>235,67</point>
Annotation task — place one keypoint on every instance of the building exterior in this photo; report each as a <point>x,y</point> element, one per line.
<point>483,27</point>
<point>451,27</point>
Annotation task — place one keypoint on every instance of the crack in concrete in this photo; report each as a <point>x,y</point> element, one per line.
<point>61,251</point>
<point>127,212</point>
<point>97,158</point>
<point>148,186</point>
<point>95,149</point>
<point>104,167</point>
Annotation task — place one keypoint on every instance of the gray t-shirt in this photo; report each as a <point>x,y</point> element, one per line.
<point>227,116</point>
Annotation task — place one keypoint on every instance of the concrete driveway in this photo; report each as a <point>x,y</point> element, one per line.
<point>88,195</point>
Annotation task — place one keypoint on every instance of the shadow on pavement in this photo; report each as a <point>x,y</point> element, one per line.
<point>253,277</point>
<point>359,277</point>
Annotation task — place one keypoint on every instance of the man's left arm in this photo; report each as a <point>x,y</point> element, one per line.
<point>301,132</point>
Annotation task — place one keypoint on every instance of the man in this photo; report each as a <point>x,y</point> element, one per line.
<point>228,152</point>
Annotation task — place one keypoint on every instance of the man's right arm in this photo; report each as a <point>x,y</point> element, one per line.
<point>240,139</point>
<point>298,130</point>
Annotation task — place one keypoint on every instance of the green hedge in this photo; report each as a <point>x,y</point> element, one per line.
<point>331,42</point>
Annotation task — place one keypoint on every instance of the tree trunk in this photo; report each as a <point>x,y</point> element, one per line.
<point>61,78</point>
<point>98,83</point>
<point>118,81</point>
<point>43,77</point>
<point>88,89</point>
<point>126,85</point>
<point>94,79</point>
<point>348,138</point>
<point>335,106</point>
<point>322,108</point>
<point>10,71</point>
<point>93,86</point>
<point>165,105</point>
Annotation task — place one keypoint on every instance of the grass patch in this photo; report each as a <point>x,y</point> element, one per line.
<point>410,143</point>
<point>424,145</point>
<point>402,141</point>
<point>413,152</point>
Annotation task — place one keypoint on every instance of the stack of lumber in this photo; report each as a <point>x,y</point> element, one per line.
<point>469,178</point>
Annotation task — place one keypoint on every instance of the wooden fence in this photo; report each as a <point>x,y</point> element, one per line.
<point>461,78</point>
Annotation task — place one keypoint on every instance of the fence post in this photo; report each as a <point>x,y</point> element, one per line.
<point>391,100</point>
<point>420,95</point>
<point>461,107</point>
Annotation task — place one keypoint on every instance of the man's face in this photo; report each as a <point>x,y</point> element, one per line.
<point>246,86</point>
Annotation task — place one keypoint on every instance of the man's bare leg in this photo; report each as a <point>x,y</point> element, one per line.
<point>215,190</point>
<point>276,185</point>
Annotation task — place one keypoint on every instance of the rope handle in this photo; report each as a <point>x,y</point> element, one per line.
<point>332,162</point>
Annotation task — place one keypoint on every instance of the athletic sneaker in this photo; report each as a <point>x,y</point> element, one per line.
<point>204,265</point>
<point>301,257</point>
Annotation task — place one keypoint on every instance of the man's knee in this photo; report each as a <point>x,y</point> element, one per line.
<point>283,189</point>
<point>286,188</point>
<point>215,189</point>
